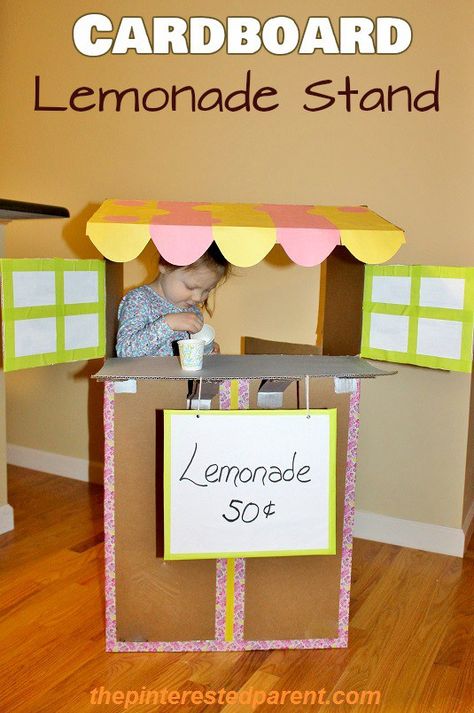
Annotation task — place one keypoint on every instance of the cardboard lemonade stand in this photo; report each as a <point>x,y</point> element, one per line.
<point>230,527</point>
<point>229,497</point>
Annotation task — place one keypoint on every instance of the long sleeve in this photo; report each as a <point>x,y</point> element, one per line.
<point>142,328</point>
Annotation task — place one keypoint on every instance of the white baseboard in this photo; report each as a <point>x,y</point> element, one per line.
<point>409,533</point>
<point>468,525</point>
<point>6,519</point>
<point>55,463</point>
<point>368,525</point>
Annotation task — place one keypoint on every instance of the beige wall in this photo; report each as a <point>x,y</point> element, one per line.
<point>413,445</point>
<point>3,471</point>
<point>413,168</point>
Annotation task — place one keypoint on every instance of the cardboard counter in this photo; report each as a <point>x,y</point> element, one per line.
<point>222,604</point>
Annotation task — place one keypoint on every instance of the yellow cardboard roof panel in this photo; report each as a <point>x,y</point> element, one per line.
<point>244,232</point>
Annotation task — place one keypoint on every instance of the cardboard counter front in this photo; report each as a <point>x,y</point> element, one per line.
<point>219,604</point>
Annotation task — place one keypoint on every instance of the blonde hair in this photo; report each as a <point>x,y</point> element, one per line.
<point>214,260</point>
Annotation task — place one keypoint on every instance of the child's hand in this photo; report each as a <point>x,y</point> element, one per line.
<point>216,349</point>
<point>183,322</point>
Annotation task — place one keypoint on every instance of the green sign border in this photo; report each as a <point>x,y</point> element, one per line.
<point>330,550</point>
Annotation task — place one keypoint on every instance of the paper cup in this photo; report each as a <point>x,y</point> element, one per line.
<point>190,353</point>
<point>207,334</point>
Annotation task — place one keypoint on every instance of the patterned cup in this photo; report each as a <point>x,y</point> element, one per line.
<point>190,353</point>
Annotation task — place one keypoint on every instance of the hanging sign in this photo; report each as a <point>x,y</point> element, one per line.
<point>249,483</point>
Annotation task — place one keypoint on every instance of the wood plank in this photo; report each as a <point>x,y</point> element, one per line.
<point>411,630</point>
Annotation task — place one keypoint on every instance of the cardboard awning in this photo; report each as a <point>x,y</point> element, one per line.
<point>245,233</point>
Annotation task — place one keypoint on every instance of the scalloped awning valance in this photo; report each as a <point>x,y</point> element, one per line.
<point>244,232</point>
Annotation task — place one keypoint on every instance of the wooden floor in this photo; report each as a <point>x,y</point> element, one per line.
<point>411,632</point>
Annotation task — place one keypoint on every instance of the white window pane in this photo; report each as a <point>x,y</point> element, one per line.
<point>35,336</point>
<point>439,337</point>
<point>389,332</point>
<point>81,286</point>
<point>445,292</point>
<point>391,290</point>
<point>81,331</point>
<point>34,289</point>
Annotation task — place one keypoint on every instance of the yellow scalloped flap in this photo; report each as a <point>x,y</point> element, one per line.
<point>368,236</point>
<point>372,247</point>
<point>120,228</point>
<point>124,244</point>
<point>243,247</point>
<point>244,234</point>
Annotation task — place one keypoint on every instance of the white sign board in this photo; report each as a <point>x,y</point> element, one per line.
<point>249,483</point>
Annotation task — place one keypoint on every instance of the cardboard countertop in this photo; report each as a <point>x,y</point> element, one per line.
<point>219,367</point>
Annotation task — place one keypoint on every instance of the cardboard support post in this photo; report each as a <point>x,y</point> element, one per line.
<point>340,309</point>
<point>114,293</point>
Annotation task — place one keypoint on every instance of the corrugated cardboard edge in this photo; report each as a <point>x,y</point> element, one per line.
<point>271,367</point>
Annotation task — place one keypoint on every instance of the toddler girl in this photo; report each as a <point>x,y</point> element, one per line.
<point>154,316</point>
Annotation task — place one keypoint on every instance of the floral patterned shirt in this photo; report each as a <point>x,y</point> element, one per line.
<point>142,330</point>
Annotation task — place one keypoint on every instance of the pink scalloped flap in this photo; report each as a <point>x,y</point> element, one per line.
<point>306,238</point>
<point>183,234</point>
<point>307,248</point>
<point>181,245</point>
